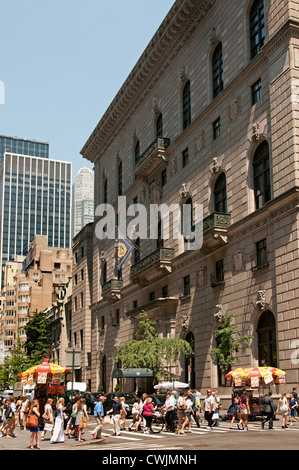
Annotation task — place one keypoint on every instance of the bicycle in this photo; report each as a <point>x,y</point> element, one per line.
<point>158,422</point>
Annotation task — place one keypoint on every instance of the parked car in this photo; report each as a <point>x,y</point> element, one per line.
<point>158,400</point>
<point>90,401</point>
<point>129,397</point>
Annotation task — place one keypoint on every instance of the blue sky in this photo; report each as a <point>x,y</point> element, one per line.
<point>62,63</point>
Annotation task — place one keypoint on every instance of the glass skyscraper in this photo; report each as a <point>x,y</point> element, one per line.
<point>34,148</point>
<point>35,199</point>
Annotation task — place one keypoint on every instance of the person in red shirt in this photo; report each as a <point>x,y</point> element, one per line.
<point>147,412</point>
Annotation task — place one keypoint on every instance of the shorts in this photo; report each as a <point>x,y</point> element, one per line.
<point>243,411</point>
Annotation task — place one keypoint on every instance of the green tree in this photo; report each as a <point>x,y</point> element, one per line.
<point>229,341</point>
<point>13,365</point>
<point>37,344</point>
<point>157,354</point>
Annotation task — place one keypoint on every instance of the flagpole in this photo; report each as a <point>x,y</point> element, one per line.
<point>135,246</point>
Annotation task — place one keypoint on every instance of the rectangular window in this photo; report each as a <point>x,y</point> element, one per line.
<point>152,296</point>
<point>187,285</point>
<point>185,157</point>
<point>220,271</point>
<point>164,291</point>
<point>256,92</point>
<point>216,128</point>
<point>261,253</point>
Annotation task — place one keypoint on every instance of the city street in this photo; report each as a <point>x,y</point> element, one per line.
<point>219,438</point>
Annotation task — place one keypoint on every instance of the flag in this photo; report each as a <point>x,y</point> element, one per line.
<point>124,249</point>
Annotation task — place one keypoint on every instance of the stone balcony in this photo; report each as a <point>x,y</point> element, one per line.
<point>111,290</point>
<point>154,155</point>
<point>152,267</point>
<point>215,231</point>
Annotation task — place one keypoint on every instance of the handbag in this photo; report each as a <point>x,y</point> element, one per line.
<point>107,420</point>
<point>83,423</point>
<point>48,427</point>
<point>32,421</point>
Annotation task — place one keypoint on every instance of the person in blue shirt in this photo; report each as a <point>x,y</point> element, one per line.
<point>99,415</point>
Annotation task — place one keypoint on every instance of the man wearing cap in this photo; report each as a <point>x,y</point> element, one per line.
<point>99,415</point>
<point>208,407</point>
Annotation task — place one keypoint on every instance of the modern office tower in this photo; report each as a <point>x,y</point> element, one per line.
<point>35,198</point>
<point>19,146</point>
<point>83,200</point>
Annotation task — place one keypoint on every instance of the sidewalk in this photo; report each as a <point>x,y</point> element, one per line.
<point>22,440</point>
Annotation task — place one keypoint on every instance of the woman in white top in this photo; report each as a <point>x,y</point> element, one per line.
<point>58,433</point>
<point>283,409</point>
<point>48,417</point>
<point>189,413</point>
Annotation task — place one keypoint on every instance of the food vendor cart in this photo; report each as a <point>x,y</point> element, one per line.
<point>256,382</point>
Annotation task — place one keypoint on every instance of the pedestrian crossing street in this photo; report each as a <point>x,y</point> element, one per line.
<point>131,440</point>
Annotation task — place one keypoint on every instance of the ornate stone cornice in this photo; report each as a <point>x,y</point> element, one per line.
<point>176,29</point>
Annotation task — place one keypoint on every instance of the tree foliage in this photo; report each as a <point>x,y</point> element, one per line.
<point>151,351</point>
<point>37,344</point>
<point>12,366</point>
<point>229,341</point>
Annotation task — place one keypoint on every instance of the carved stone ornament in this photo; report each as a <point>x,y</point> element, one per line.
<point>185,322</point>
<point>261,300</point>
<point>219,314</point>
<point>174,166</point>
<point>102,259</point>
<point>200,142</point>
<point>238,260</point>
<point>215,167</point>
<point>155,193</point>
<point>255,132</point>
<point>202,277</point>
<point>185,191</point>
<point>235,108</point>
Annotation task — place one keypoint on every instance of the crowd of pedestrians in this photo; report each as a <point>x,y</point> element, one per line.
<point>57,421</point>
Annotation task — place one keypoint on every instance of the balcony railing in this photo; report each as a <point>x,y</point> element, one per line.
<point>155,154</point>
<point>215,230</point>
<point>111,290</point>
<point>153,266</point>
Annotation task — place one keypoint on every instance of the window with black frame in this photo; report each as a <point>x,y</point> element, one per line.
<point>217,70</point>
<point>220,194</point>
<point>186,105</point>
<point>261,171</point>
<point>257,27</point>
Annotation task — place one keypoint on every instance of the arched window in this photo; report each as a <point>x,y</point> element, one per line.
<point>220,194</point>
<point>266,331</point>
<point>120,179</point>
<point>159,126</point>
<point>257,27</point>
<point>217,71</point>
<point>186,97</point>
<point>261,175</point>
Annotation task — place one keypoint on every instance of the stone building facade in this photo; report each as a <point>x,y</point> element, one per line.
<point>209,115</point>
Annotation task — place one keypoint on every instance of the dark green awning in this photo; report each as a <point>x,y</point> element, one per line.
<point>131,373</point>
